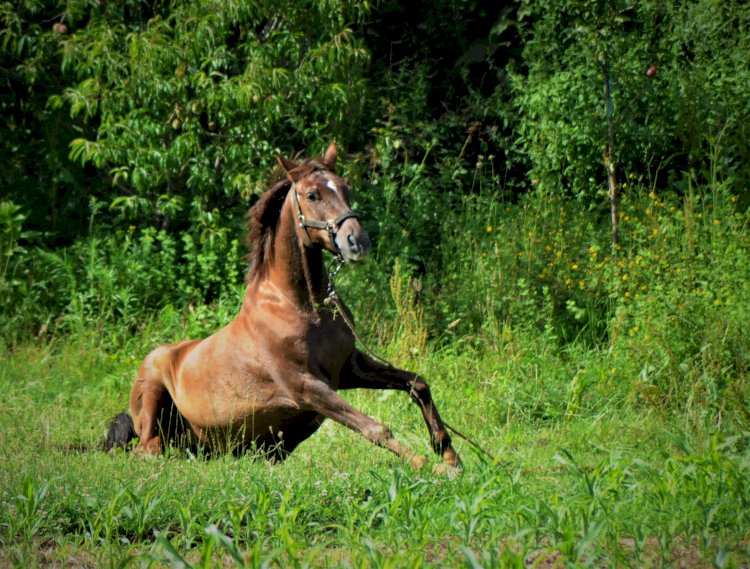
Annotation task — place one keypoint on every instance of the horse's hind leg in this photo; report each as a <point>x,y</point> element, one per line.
<point>365,372</point>
<point>146,404</point>
<point>155,417</point>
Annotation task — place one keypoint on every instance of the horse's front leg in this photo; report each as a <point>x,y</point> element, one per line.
<point>365,372</point>
<point>319,397</point>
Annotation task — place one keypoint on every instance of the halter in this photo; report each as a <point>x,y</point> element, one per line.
<point>332,226</point>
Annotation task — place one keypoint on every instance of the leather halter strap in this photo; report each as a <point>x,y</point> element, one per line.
<point>330,225</point>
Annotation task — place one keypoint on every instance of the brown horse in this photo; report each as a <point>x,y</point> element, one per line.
<point>268,379</point>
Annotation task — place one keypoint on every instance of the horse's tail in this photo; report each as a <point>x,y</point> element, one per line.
<point>121,432</point>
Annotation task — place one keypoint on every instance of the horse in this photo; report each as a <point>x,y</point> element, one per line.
<point>268,380</point>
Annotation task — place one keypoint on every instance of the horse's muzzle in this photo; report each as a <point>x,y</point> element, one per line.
<point>352,241</point>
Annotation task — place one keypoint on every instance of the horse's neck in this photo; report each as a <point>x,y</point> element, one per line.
<point>298,271</point>
<point>306,276</point>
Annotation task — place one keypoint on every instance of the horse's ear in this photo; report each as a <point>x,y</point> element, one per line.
<point>287,166</point>
<point>330,157</point>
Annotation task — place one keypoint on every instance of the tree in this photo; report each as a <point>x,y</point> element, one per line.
<point>178,108</point>
<point>587,79</point>
<point>188,117</point>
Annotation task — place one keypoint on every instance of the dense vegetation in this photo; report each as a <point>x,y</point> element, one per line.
<point>493,149</point>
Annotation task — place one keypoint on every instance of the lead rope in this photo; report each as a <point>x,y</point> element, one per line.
<point>332,298</point>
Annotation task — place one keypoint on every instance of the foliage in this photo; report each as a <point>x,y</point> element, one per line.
<point>666,122</point>
<point>205,93</point>
<point>102,280</point>
<point>38,176</point>
<point>666,306</point>
<point>178,108</point>
<point>11,231</point>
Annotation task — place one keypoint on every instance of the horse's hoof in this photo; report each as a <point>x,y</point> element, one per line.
<point>418,462</point>
<point>144,454</point>
<point>148,450</point>
<point>445,469</point>
<point>451,458</point>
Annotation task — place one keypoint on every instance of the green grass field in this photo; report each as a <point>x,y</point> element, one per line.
<point>602,485</point>
<point>610,389</point>
<point>558,197</point>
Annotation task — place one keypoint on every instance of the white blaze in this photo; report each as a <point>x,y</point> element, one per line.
<point>331,185</point>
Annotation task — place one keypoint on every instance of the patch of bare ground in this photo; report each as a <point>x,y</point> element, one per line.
<point>682,554</point>
<point>49,555</point>
<point>437,552</point>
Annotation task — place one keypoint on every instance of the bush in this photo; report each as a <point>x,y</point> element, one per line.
<point>117,281</point>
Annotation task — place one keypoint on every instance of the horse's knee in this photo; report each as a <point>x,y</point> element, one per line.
<point>420,390</point>
<point>377,433</point>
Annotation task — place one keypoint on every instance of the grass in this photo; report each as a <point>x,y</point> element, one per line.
<point>609,485</point>
<point>610,389</point>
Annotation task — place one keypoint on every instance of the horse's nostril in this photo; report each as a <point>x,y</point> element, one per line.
<point>352,242</point>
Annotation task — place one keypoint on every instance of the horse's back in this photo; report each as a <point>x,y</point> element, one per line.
<point>160,365</point>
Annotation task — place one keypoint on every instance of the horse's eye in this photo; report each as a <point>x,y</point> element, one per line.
<point>313,196</point>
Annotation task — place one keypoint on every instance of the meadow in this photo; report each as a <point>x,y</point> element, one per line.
<point>557,194</point>
<point>607,387</point>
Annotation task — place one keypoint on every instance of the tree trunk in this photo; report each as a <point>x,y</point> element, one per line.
<point>609,159</point>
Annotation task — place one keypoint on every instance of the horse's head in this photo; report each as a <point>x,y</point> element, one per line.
<point>321,203</point>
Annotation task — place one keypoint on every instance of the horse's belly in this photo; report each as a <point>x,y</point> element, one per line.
<point>235,393</point>
<point>262,430</point>
<point>238,408</point>
<point>237,403</point>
